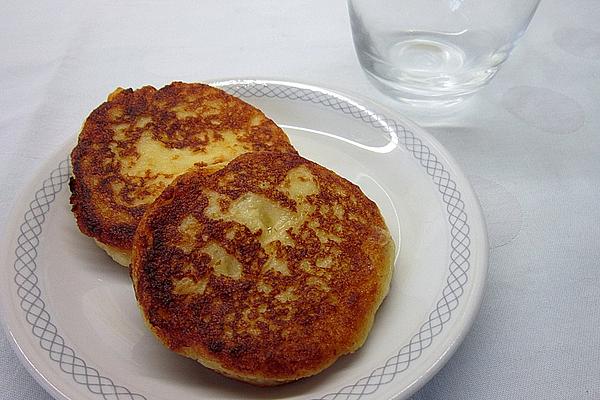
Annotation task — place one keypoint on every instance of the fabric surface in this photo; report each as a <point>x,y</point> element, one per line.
<point>529,143</point>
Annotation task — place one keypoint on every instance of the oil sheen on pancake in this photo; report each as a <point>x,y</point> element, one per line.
<point>133,145</point>
<point>266,271</point>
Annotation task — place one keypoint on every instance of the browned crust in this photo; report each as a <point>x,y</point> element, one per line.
<point>295,341</point>
<point>112,219</point>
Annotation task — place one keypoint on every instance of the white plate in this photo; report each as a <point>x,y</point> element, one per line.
<point>72,315</point>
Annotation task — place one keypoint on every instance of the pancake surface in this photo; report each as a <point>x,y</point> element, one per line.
<point>265,271</point>
<point>132,146</point>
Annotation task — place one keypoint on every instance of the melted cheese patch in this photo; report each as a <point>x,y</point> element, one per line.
<point>287,295</point>
<point>256,212</point>
<point>299,183</point>
<point>188,286</point>
<point>188,228</point>
<point>222,262</point>
<point>324,262</point>
<point>319,283</point>
<point>154,158</point>
<point>263,287</point>
<point>275,264</point>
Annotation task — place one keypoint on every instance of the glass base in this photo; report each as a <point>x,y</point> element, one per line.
<point>427,69</point>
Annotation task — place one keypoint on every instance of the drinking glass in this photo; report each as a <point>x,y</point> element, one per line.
<point>435,52</point>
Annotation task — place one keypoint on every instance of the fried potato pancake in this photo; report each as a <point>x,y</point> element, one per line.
<point>133,145</point>
<point>266,271</point>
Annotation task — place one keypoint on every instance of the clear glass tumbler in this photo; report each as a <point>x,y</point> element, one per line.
<point>435,52</point>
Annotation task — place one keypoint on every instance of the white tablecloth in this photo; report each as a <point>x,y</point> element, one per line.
<point>529,142</point>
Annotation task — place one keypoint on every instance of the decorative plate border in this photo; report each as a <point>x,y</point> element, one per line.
<point>34,307</point>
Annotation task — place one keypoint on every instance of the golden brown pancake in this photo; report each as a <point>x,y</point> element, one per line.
<point>133,145</point>
<point>266,271</point>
